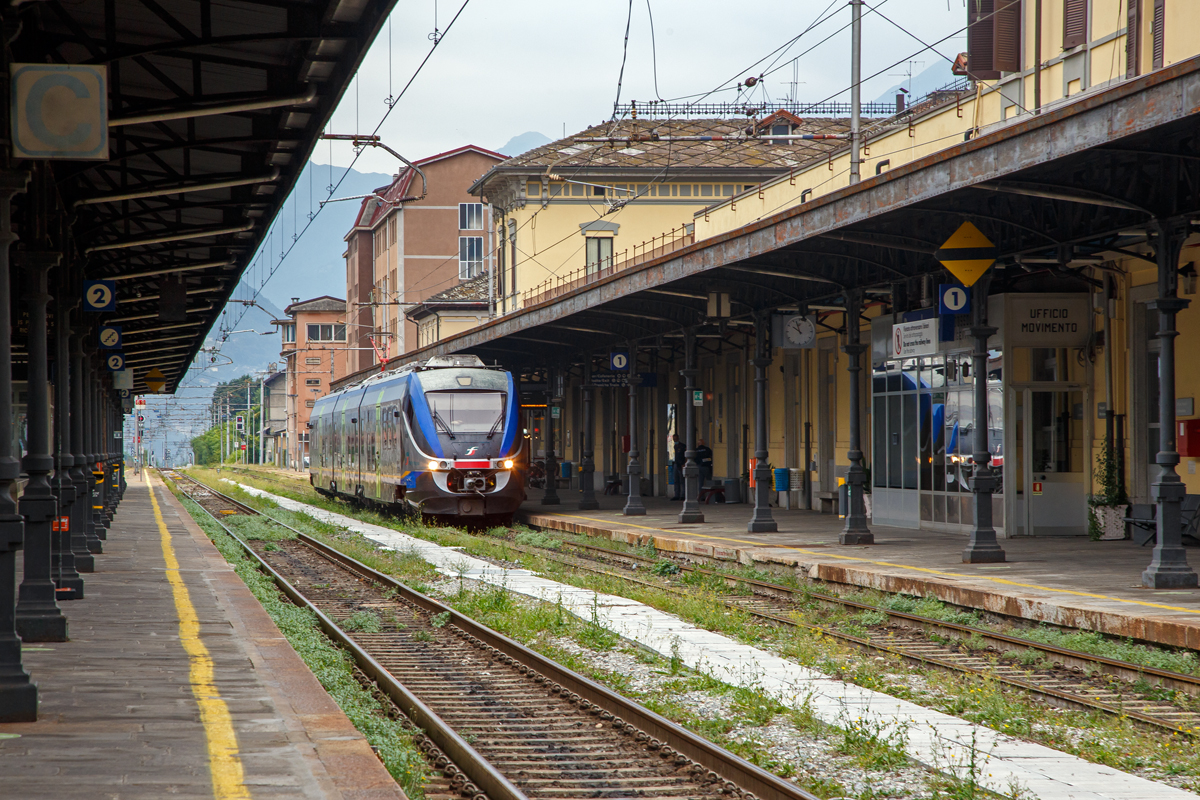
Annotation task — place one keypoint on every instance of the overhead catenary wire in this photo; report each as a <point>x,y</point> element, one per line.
<point>624,55</point>
<point>333,186</point>
<point>819,20</point>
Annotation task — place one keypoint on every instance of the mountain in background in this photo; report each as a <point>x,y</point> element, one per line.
<point>315,266</point>
<point>523,143</point>
<point>927,80</point>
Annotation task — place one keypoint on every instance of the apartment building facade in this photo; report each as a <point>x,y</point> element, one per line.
<point>315,353</point>
<point>420,235</point>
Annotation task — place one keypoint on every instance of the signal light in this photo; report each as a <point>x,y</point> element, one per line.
<point>508,464</point>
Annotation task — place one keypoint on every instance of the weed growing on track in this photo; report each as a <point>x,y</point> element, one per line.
<point>333,667</point>
<point>535,539</point>
<point>362,621</point>
<point>258,529</point>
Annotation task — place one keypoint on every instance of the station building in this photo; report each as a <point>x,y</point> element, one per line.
<point>1068,172</point>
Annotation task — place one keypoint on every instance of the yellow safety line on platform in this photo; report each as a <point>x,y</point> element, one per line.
<point>881,563</point>
<point>224,761</point>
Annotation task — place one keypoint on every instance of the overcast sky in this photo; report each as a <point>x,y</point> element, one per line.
<point>511,66</point>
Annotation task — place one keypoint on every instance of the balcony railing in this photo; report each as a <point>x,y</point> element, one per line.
<point>559,285</point>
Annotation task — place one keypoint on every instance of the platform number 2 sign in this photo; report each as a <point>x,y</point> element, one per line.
<point>100,295</point>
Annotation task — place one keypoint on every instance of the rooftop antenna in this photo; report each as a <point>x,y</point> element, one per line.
<point>907,88</point>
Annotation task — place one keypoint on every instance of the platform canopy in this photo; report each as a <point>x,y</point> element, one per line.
<point>214,107</point>
<point>1057,194</point>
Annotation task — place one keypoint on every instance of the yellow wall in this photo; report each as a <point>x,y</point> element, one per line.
<point>550,245</point>
<point>947,126</point>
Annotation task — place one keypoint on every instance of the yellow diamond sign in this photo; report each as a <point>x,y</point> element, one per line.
<point>967,254</point>
<point>155,380</point>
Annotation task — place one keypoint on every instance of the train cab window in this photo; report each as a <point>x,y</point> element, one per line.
<point>466,412</point>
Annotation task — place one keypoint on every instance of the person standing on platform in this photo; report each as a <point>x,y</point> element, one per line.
<point>678,450</point>
<point>704,457</point>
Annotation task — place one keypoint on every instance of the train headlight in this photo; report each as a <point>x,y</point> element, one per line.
<point>433,465</point>
<point>508,464</point>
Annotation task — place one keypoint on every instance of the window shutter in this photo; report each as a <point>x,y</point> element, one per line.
<point>1006,41</point>
<point>1074,23</point>
<point>1133,39</point>
<point>1160,13</point>
<point>980,44</point>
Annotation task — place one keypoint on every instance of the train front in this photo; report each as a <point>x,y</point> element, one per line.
<point>466,439</point>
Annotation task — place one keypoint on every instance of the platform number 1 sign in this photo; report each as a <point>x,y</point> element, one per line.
<point>618,361</point>
<point>953,299</point>
<point>100,295</point>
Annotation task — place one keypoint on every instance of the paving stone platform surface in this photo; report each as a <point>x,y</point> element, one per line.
<point>1069,581</point>
<point>118,717</point>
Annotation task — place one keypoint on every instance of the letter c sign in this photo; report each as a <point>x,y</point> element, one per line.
<point>60,111</point>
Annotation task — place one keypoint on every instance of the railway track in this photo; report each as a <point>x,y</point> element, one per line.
<point>496,719</point>
<point>1064,677</point>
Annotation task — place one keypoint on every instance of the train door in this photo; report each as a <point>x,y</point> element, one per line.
<point>377,445</point>
<point>360,430</point>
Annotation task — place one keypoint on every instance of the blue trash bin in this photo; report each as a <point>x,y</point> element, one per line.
<point>782,479</point>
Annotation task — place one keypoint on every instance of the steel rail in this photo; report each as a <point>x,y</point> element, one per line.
<point>670,738</point>
<point>1059,697</point>
<point>1075,658</point>
<point>1056,695</point>
<point>464,756</point>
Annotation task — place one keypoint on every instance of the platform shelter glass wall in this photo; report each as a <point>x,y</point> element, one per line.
<point>923,428</point>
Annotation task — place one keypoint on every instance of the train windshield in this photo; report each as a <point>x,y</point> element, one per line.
<point>466,412</point>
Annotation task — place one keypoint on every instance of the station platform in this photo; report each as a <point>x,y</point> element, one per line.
<point>176,682</point>
<point>1073,581</point>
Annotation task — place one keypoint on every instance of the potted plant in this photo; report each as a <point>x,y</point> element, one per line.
<point>1108,506</point>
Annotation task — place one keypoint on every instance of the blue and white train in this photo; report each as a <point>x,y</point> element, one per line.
<point>441,438</point>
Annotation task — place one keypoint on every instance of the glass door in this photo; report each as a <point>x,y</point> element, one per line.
<point>1053,457</point>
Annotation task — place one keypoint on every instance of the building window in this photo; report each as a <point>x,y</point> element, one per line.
<point>781,129</point>
<point>326,333</point>
<point>309,404</point>
<point>312,381</point>
<point>313,360</point>
<point>470,257</point>
<point>289,334</point>
<point>599,253</point>
<point>470,216</point>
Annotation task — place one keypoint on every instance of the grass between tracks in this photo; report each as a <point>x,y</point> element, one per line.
<point>391,739</point>
<point>1097,737</point>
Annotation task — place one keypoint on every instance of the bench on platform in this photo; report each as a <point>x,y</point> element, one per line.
<point>828,501</point>
<point>716,490</point>
<point>1142,521</point>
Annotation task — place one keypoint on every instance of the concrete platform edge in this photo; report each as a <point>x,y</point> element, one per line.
<point>1135,624</point>
<point>336,752</point>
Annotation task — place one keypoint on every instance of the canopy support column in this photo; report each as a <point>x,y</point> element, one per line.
<point>762,521</point>
<point>1168,564</point>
